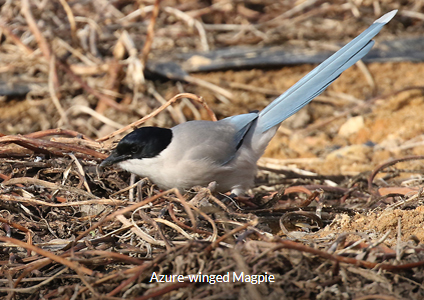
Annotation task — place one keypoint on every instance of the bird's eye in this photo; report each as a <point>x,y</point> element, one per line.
<point>134,149</point>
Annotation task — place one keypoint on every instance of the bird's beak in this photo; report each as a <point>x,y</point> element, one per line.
<point>113,159</point>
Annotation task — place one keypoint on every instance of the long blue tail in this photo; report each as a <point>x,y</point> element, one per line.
<point>320,78</point>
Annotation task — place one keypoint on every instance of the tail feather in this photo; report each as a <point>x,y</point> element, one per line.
<point>320,78</point>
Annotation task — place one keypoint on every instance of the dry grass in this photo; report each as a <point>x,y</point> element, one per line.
<point>70,231</point>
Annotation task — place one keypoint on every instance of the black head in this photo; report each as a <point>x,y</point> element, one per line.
<point>144,142</point>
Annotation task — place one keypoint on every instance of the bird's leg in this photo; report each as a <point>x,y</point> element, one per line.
<point>241,199</point>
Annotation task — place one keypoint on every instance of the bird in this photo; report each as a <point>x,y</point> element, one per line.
<point>197,153</point>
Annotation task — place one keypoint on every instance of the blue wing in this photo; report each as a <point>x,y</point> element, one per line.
<point>320,78</point>
<point>241,124</point>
